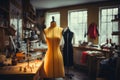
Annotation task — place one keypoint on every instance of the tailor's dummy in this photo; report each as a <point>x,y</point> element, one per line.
<point>53,60</point>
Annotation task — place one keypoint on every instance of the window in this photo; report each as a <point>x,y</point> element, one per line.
<point>17,24</point>
<point>78,24</point>
<point>49,18</point>
<point>107,26</point>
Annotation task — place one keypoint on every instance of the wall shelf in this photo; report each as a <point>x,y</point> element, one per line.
<point>4,9</point>
<point>115,20</point>
<point>5,21</point>
<point>31,20</point>
<point>29,17</point>
<point>116,33</point>
<point>3,27</point>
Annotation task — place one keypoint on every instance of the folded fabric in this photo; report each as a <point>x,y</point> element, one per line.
<point>83,59</point>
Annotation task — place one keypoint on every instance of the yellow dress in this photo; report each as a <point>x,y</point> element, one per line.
<point>53,60</point>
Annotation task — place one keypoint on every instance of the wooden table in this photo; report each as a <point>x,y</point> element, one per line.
<point>40,49</point>
<point>22,71</point>
<point>106,52</point>
<point>86,48</point>
<point>93,60</point>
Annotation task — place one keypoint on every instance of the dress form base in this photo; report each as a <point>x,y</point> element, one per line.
<point>68,74</point>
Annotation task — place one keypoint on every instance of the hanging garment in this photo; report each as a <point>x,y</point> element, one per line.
<point>53,60</point>
<point>92,31</point>
<point>68,48</point>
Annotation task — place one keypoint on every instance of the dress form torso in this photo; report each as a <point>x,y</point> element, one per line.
<point>68,48</point>
<point>53,61</point>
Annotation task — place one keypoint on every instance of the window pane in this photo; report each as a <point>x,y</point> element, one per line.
<point>109,12</point>
<point>80,14</point>
<point>103,28</point>
<point>109,18</point>
<point>104,12</point>
<point>109,30</point>
<point>115,26</point>
<point>104,18</point>
<point>85,13</point>
<point>115,11</point>
<point>85,19</point>
<point>103,38</point>
<point>115,39</point>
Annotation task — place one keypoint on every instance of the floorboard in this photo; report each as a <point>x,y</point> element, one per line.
<point>76,75</point>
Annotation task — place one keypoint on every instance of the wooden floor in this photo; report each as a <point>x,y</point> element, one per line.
<point>77,75</point>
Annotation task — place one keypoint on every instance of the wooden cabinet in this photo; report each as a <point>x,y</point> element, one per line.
<point>2,38</point>
<point>4,23</point>
<point>9,9</point>
<point>4,13</point>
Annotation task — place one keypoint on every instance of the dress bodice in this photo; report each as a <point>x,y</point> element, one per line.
<point>53,37</point>
<point>68,36</point>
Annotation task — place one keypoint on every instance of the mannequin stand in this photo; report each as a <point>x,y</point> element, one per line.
<point>67,74</point>
<point>28,55</point>
<point>68,68</point>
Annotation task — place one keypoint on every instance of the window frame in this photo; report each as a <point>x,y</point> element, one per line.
<point>78,10</point>
<point>100,13</point>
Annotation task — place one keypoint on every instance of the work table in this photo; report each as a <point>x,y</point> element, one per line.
<point>21,71</point>
<point>87,48</point>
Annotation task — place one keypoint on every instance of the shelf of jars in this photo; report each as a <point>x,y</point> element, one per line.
<point>31,10</point>
<point>116,33</point>
<point>116,19</point>
<point>4,5</point>
<point>4,9</point>
<point>31,20</point>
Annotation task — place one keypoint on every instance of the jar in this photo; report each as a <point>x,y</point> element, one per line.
<point>14,61</point>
